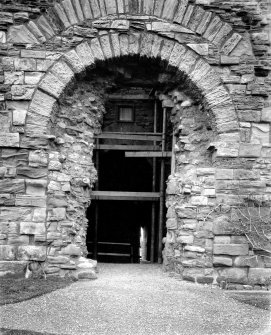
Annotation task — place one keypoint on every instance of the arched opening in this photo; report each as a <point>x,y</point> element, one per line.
<point>127,213</point>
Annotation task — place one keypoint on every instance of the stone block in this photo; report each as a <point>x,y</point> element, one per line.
<point>13,268</point>
<point>231,43</point>
<point>85,54</point>
<point>12,186</point>
<point>18,117</point>
<point>28,53</point>
<point>249,115</point>
<point>189,239</point>
<point>9,139</point>
<point>38,158</point>
<point>194,248</point>
<point>30,200</point>
<point>73,59</point>
<point>250,261</point>
<point>52,85</point>
<point>58,259</point>
<point>199,200</point>
<point>32,228</point>
<point>259,276</point>
<point>233,275</point>
<point>32,78</point>
<point>222,261</point>
<point>42,104</point>
<point>86,275</point>
<point>39,215</point>
<point>250,150</point>
<point>86,8</point>
<point>224,173</point>
<point>16,77</point>
<point>97,50</point>
<point>260,133</point>
<point>31,253</point>
<point>57,214</point>
<point>72,250</point>
<point>172,223</point>
<point>25,64</point>
<point>231,249</point>
<point>7,253</point>
<point>220,239</point>
<point>36,186</point>
<point>20,34</point>
<point>9,214</point>
<point>69,9</point>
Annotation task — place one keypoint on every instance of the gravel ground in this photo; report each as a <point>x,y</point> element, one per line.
<point>135,299</point>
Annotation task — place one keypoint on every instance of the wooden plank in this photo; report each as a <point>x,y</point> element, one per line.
<point>164,154</point>
<point>127,147</point>
<point>117,195</point>
<point>132,137</point>
<point>129,97</point>
<point>112,243</point>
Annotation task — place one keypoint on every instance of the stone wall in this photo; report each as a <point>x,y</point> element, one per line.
<point>220,107</point>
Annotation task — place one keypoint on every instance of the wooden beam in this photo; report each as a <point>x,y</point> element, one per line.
<point>118,195</point>
<point>164,154</point>
<point>132,137</point>
<point>127,147</point>
<point>129,97</point>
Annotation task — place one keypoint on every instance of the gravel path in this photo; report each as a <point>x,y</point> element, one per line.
<point>135,299</point>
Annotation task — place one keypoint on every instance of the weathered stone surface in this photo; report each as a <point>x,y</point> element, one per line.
<point>231,249</point>
<point>42,104</point>
<point>259,276</point>
<point>172,223</point>
<point>7,253</point>
<point>72,250</point>
<point>32,228</point>
<point>52,85</point>
<point>12,186</point>
<point>222,261</point>
<point>250,150</point>
<point>32,253</point>
<point>250,261</point>
<point>9,139</point>
<point>234,275</point>
<point>36,187</point>
<point>30,200</point>
<point>18,117</point>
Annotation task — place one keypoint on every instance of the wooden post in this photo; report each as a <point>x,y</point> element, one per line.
<point>95,239</point>
<point>154,163</point>
<point>173,163</point>
<point>162,191</point>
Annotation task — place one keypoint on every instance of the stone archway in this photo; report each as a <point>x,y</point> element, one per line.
<point>67,41</point>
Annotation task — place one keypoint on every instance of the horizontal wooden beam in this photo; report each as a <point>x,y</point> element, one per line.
<point>118,195</point>
<point>132,137</point>
<point>129,97</point>
<point>127,147</point>
<point>164,154</point>
<point>112,243</point>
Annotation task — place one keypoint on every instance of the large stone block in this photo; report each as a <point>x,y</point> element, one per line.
<point>250,261</point>
<point>32,228</point>
<point>57,214</point>
<point>230,249</point>
<point>259,276</point>
<point>30,200</point>
<point>9,214</point>
<point>52,85</point>
<point>9,139</point>
<point>12,186</point>
<point>172,223</point>
<point>222,225</point>
<point>18,117</point>
<point>250,150</point>
<point>32,253</point>
<point>72,250</point>
<point>36,186</point>
<point>42,104</point>
<point>233,275</point>
<point>7,252</point>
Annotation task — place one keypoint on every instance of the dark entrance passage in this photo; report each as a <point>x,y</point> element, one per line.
<point>132,158</point>
<point>120,223</point>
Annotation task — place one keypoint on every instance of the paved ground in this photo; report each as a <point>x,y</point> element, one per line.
<point>134,299</point>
